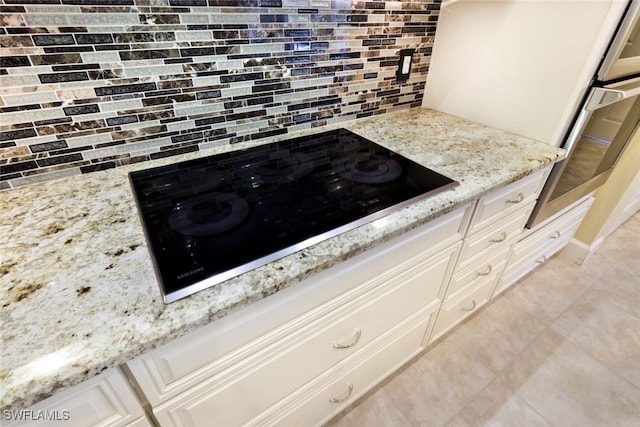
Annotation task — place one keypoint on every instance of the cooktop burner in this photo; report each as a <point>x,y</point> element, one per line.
<point>368,168</point>
<point>213,218</point>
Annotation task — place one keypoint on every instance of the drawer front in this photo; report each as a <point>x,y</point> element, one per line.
<point>106,400</point>
<point>456,310</point>
<point>268,375</point>
<point>524,261</point>
<point>317,402</point>
<point>539,246</point>
<point>483,270</point>
<point>506,200</point>
<point>494,238</point>
<point>179,365</point>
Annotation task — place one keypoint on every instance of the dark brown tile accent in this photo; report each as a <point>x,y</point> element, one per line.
<point>14,61</point>
<point>94,38</point>
<point>55,59</point>
<point>52,161</point>
<point>123,120</point>
<point>53,39</point>
<point>120,89</point>
<point>63,77</point>
<point>97,167</point>
<point>188,2</point>
<point>186,137</point>
<point>210,120</point>
<point>17,134</point>
<point>17,167</point>
<point>174,152</point>
<point>99,2</point>
<point>208,94</point>
<point>81,109</point>
<point>48,146</point>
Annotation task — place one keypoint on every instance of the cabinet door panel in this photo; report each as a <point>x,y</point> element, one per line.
<point>326,396</point>
<point>105,400</point>
<point>269,375</point>
<point>180,365</point>
<point>455,311</point>
<point>485,268</point>
<point>539,246</point>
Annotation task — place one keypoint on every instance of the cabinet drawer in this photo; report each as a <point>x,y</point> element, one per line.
<point>506,200</point>
<point>319,401</point>
<point>482,270</point>
<point>178,366</point>
<point>543,243</point>
<point>267,374</point>
<point>457,309</point>
<point>105,400</point>
<point>494,238</point>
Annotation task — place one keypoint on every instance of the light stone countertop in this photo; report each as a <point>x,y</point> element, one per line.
<point>78,291</point>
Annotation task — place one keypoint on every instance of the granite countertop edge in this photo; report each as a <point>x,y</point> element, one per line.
<point>75,248</point>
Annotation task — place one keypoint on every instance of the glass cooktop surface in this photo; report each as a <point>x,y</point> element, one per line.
<point>209,219</point>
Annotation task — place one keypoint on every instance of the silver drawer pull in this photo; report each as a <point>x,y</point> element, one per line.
<point>519,198</point>
<point>542,260</point>
<point>354,342</point>
<point>473,306</point>
<point>342,399</point>
<point>486,272</point>
<point>555,235</point>
<point>503,237</point>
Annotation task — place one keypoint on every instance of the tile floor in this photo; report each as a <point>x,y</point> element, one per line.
<point>560,348</point>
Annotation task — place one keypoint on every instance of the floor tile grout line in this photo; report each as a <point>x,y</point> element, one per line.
<point>608,263</point>
<point>547,329</point>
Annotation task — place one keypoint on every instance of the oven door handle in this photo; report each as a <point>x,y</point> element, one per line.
<point>603,96</point>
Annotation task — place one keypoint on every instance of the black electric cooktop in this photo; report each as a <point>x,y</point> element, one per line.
<point>213,218</point>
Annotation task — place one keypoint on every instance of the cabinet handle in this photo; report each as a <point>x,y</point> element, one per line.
<point>503,237</point>
<point>473,306</point>
<point>354,342</point>
<point>555,235</point>
<point>519,198</point>
<point>342,399</point>
<point>486,272</point>
<point>542,260</point>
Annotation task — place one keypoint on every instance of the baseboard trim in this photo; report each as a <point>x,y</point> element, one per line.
<point>579,252</point>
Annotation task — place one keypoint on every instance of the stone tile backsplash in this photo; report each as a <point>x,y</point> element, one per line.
<point>87,85</point>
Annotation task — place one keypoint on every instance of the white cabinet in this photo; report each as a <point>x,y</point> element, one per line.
<point>320,400</point>
<point>103,401</point>
<point>493,64</point>
<point>496,204</point>
<point>497,222</point>
<point>314,343</point>
<point>495,237</point>
<point>536,248</point>
<point>379,314</point>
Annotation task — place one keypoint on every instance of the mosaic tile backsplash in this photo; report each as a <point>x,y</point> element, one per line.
<point>87,85</point>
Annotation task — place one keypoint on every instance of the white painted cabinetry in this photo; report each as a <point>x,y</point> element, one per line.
<point>345,329</point>
<point>103,401</point>
<point>497,222</point>
<point>536,248</point>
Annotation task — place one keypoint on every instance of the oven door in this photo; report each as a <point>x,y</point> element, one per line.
<point>605,125</point>
<point>623,57</point>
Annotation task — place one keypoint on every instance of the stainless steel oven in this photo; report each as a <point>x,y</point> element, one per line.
<point>608,118</point>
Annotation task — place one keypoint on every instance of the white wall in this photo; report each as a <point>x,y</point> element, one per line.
<point>518,65</point>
